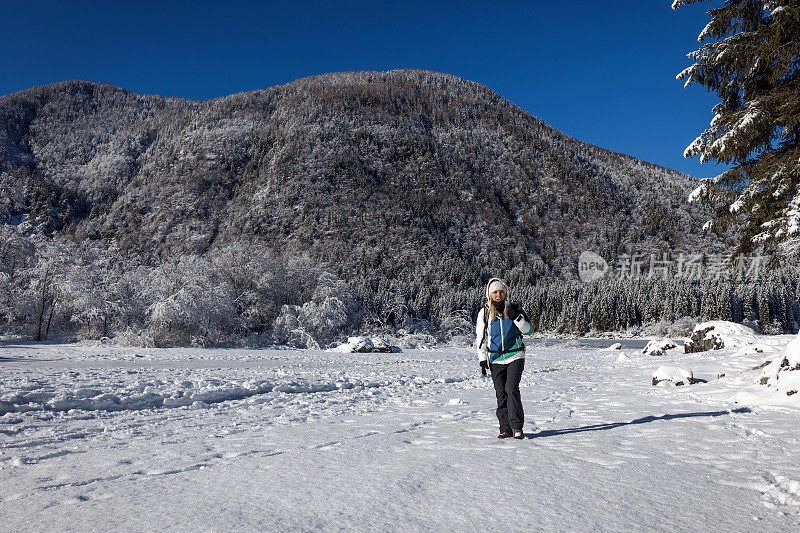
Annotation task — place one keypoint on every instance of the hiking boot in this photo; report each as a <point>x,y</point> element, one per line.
<point>504,435</point>
<point>518,434</point>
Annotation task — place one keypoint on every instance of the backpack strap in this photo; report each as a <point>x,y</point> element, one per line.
<point>500,353</point>
<point>485,325</point>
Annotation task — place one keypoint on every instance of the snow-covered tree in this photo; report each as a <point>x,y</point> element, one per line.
<point>191,305</point>
<point>329,314</point>
<point>257,280</point>
<point>458,327</point>
<point>750,58</point>
<point>41,295</point>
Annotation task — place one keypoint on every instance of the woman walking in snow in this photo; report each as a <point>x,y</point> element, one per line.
<point>499,331</point>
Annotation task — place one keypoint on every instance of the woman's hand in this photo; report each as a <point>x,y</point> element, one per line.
<point>514,310</point>
<point>484,367</point>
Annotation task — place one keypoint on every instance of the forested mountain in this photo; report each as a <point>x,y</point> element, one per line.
<point>405,190</point>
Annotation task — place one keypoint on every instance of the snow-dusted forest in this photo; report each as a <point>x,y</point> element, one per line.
<point>351,202</point>
<point>239,295</point>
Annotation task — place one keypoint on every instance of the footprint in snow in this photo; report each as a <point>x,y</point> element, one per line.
<point>326,445</point>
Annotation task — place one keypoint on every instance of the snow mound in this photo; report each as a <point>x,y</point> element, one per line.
<point>659,346</point>
<point>753,348</point>
<point>137,395</point>
<point>783,373</point>
<point>133,396</point>
<point>366,345</point>
<point>717,334</point>
<point>615,346</point>
<point>673,375</point>
<point>622,357</point>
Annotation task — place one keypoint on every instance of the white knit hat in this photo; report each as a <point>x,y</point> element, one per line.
<point>495,284</point>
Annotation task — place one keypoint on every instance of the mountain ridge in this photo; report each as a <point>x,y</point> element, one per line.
<point>105,85</point>
<point>322,160</point>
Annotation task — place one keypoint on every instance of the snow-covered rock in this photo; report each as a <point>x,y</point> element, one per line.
<point>783,373</point>
<point>659,346</point>
<point>673,375</point>
<point>615,346</point>
<point>381,345</point>
<point>360,344</point>
<point>717,334</point>
<point>366,345</point>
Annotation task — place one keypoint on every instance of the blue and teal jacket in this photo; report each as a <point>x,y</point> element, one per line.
<point>499,340</point>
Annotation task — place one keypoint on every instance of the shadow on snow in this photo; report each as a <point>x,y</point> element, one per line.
<point>643,420</point>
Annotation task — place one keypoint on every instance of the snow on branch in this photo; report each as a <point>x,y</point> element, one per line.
<point>706,32</point>
<point>697,193</point>
<point>696,147</point>
<point>779,9</point>
<point>754,113</point>
<point>677,4</point>
<point>687,73</point>
<point>736,206</point>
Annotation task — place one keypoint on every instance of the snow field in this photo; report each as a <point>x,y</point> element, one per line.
<point>301,440</point>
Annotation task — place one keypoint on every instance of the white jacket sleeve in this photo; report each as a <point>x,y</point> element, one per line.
<point>480,333</point>
<point>524,327</point>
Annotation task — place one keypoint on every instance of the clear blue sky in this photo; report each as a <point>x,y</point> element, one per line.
<point>601,71</point>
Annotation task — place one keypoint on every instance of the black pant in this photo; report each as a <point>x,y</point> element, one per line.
<point>506,386</point>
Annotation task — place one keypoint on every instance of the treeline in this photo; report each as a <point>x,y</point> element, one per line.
<point>247,294</point>
<point>768,303</point>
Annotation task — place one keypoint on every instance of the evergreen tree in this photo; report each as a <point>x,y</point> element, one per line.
<point>763,308</point>
<point>724,304</point>
<point>751,60</point>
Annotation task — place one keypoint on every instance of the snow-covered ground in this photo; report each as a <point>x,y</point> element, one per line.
<point>105,438</point>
